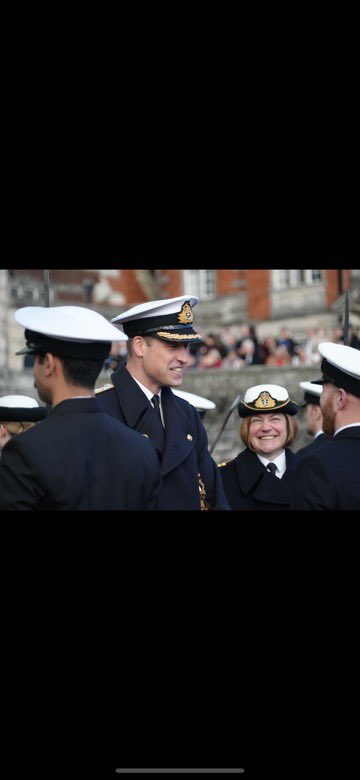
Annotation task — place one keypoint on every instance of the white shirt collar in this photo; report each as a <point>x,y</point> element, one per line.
<point>149,394</point>
<point>351,425</point>
<point>317,434</point>
<point>280,462</point>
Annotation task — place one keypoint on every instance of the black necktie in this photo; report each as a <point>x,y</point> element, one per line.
<point>156,404</point>
<point>271,467</point>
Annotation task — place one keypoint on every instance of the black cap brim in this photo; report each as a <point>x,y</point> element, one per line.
<point>26,351</point>
<point>22,414</point>
<point>287,407</point>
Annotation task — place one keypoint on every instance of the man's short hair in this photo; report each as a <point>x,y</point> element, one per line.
<point>79,372</point>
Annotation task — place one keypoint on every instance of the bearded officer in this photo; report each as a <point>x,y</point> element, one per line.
<point>160,334</point>
<point>314,419</point>
<point>328,478</point>
<point>78,457</point>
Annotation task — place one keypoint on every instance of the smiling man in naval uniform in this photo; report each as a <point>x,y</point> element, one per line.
<point>159,337</point>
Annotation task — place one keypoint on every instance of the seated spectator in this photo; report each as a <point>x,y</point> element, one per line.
<point>212,359</point>
<point>268,347</point>
<point>247,333</point>
<point>232,360</point>
<point>117,355</point>
<point>280,358</point>
<point>286,339</point>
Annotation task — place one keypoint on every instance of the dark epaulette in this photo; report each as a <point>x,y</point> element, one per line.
<point>225,463</point>
<point>108,386</point>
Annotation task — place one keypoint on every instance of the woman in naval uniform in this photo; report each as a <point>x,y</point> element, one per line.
<point>261,476</point>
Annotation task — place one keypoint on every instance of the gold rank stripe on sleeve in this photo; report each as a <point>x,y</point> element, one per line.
<point>108,386</point>
<point>225,463</point>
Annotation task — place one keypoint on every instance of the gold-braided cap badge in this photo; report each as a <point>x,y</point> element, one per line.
<point>265,401</point>
<point>186,316</point>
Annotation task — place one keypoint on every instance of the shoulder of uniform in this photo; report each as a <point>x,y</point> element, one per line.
<point>225,463</point>
<point>108,386</point>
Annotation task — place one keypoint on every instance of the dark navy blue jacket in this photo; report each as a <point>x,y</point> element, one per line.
<point>248,485</point>
<point>184,454</point>
<point>78,459</point>
<point>329,478</point>
<point>313,446</point>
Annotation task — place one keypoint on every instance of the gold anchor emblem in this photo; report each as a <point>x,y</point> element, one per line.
<point>186,316</point>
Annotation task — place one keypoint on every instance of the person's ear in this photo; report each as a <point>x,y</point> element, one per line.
<point>342,399</point>
<point>139,345</point>
<point>49,364</point>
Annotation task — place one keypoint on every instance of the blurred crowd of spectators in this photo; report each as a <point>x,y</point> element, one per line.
<point>236,347</point>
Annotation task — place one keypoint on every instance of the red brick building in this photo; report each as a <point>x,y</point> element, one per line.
<point>227,296</point>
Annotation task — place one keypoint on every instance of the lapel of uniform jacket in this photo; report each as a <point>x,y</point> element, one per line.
<point>249,470</point>
<point>277,491</point>
<point>179,433</point>
<point>253,476</point>
<point>136,408</point>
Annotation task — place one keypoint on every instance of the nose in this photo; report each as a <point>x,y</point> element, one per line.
<point>183,354</point>
<point>266,425</point>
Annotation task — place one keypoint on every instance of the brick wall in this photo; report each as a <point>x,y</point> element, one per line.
<point>258,290</point>
<point>332,284</point>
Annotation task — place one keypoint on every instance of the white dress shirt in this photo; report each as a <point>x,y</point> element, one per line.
<point>149,394</point>
<point>280,462</point>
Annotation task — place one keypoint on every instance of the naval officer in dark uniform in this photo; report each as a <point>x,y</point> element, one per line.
<point>314,419</point>
<point>261,476</point>
<point>328,478</point>
<point>78,457</point>
<point>160,334</point>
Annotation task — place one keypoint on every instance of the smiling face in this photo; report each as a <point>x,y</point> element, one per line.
<point>159,364</point>
<point>268,434</point>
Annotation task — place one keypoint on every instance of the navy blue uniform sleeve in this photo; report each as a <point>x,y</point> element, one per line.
<point>20,485</point>
<point>209,472</point>
<point>313,486</point>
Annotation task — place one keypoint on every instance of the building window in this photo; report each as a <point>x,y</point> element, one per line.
<point>284,279</point>
<point>200,282</point>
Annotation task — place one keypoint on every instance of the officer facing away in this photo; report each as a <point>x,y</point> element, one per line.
<point>160,334</point>
<point>328,478</point>
<point>314,418</point>
<point>78,457</point>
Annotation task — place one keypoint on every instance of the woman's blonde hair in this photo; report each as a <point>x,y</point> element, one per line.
<point>292,427</point>
<point>18,427</point>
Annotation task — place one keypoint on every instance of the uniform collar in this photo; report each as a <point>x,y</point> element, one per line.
<point>149,393</point>
<point>351,425</point>
<point>280,462</point>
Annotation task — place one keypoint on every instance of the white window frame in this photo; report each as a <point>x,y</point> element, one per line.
<point>200,282</point>
<point>279,281</point>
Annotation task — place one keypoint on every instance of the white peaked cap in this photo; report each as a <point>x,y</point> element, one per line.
<point>68,323</point>
<point>346,359</point>
<point>266,398</point>
<point>16,401</point>
<point>311,387</point>
<point>155,308</point>
<point>203,404</point>
<point>276,391</point>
